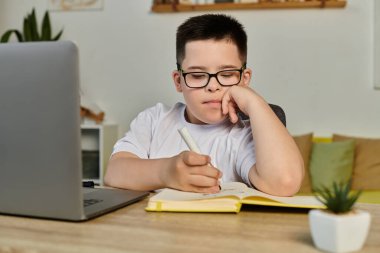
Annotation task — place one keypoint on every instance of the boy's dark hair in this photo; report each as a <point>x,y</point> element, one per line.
<point>211,26</point>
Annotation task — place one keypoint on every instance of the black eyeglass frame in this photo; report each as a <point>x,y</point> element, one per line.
<point>179,68</point>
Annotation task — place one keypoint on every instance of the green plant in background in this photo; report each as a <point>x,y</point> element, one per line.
<point>30,30</point>
<point>339,199</point>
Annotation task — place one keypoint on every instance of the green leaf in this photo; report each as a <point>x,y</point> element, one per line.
<point>26,30</point>
<point>58,35</point>
<point>33,26</point>
<point>6,36</point>
<point>338,198</point>
<point>46,27</point>
<point>30,31</point>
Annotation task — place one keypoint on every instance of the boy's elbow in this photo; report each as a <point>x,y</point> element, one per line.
<point>290,183</point>
<point>287,181</point>
<point>108,180</point>
<point>288,186</point>
<point>113,176</point>
<point>111,179</point>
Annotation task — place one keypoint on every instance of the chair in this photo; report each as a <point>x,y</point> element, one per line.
<point>279,112</point>
<point>276,109</point>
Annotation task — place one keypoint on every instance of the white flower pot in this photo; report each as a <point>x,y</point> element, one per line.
<point>339,233</point>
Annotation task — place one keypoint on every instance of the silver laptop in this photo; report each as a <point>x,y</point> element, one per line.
<point>40,150</point>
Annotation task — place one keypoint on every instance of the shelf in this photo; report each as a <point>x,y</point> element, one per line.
<point>245,6</point>
<point>97,143</point>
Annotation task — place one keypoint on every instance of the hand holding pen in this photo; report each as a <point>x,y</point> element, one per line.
<point>194,147</point>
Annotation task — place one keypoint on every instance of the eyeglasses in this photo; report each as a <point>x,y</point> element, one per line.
<point>199,79</point>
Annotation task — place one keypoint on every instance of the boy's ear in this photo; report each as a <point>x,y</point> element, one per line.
<point>246,76</point>
<point>177,80</point>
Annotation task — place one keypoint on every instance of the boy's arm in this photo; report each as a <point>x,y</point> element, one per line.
<point>187,171</point>
<point>279,168</point>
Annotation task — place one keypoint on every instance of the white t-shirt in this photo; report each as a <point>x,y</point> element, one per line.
<point>154,134</point>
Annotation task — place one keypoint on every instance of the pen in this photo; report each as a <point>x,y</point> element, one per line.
<point>190,142</point>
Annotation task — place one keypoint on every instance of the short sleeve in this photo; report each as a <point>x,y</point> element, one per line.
<point>138,139</point>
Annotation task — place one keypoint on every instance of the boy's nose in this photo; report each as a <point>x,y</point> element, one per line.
<point>213,84</point>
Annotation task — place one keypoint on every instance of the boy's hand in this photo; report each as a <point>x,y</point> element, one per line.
<point>237,98</point>
<point>189,171</point>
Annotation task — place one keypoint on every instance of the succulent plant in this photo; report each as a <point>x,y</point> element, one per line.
<point>30,30</point>
<point>338,199</point>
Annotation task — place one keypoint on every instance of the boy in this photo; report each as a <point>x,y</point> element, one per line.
<point>213,78</point>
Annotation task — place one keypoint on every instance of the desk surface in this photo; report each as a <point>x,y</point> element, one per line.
<point>131,229</point>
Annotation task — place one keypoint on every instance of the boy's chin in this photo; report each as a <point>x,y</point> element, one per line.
<point>214,121</point>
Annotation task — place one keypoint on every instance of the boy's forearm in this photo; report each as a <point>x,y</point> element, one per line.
<point>279,165</point>
<point>135,173</point>
<point>187,171</point>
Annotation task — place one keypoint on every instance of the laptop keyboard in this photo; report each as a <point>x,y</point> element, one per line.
<point>89,202</point>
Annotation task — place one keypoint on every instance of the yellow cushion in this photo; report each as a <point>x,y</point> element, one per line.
<point>304,143</point>
<point>319,139</point>
<point>366,174</point>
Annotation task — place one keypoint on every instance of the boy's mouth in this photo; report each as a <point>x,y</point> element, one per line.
<point>213,102</point>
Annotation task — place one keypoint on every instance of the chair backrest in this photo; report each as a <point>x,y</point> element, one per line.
<point>276,109</point>
<point>279,112</point>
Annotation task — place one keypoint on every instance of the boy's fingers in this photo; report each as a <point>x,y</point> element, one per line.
<point>225,103</point>
<point>229,107</point>
<point>206,171</point>
<point>203,181</point>
<point>194,159</point>
<point>232,113</point>
<point>209,190</point>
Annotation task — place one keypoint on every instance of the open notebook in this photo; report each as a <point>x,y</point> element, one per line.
<point>229,199</point>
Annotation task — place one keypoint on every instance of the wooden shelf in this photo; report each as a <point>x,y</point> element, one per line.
<point>245,6</point>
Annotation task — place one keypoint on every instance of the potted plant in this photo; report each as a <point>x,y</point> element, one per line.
<point>30,30</point>
<point>339,227</point>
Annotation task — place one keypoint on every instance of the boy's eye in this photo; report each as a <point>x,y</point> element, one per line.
<point>229,74</point>
<point>225,75</point>
<point>198,75</point>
